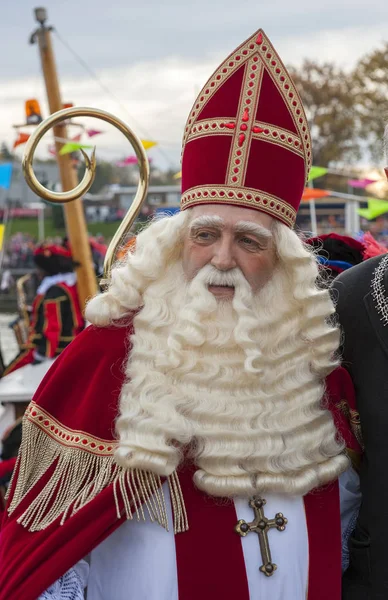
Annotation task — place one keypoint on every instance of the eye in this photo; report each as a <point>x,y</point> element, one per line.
<point>204,236</point>
<point>249,243</point>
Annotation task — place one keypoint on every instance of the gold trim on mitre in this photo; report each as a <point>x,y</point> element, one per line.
<point>249,198</point>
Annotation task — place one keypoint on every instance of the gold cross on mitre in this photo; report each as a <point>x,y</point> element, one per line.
<point>261,525</point>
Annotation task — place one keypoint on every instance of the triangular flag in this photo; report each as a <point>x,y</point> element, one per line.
<point>77,138</point>
<point>313,193</point>
<point>147,144</point>
<point>72,147</point>
<point>375,209</point>
<point>5,175</point>
<point>21,139</point>
<point>93,132</point>
<point>129,160</point>
<point>178,175</point>
<point>316,172</point>
<point>361,183</point>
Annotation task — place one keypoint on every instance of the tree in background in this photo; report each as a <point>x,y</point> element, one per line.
<point>58,217</point>
<point>370,96</point>
<point>5,153</point>
<point>347,110</point>
<point>327,96</point>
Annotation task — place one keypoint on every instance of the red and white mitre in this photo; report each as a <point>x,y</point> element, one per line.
<point>247,140</point>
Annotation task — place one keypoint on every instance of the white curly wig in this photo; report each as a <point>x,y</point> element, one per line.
<point>239,388</point>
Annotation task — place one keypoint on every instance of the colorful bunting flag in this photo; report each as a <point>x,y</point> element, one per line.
<point>147,144</point>
<point>21,139</point>
<point>360,183</point>
<point>314,193</point>
<point>178,175</point>
<point>93,132</point>
<point>2,228</point>
<point>375,209</point>
<point>316,172</point>
<point>5,175</point>
<point>72,147</point>
<point>129,160</point>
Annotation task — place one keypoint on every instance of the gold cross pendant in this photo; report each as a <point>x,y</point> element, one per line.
<point>261,525</point>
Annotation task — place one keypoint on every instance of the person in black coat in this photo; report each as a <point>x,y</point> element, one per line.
<point>361,294</point>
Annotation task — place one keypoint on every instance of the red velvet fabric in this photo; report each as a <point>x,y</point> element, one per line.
<point>210,560</point>
<point>208,159</point>
<point>261,173</point>
<point>272,107</point>
<point>81,391</point>
<point>225,102</point>
<point>324,533</point>
<point>7,466</point>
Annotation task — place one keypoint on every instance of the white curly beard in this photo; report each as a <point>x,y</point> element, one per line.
<point>232,382</point>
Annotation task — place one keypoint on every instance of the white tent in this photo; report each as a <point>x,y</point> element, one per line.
<point>19,386</point>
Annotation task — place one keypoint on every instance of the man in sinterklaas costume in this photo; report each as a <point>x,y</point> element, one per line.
<point>194,441</point>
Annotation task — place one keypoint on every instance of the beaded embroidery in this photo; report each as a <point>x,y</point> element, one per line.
<point>379,293</point>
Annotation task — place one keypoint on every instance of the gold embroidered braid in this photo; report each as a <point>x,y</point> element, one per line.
<point>250,198</point>
<point>79,472</point>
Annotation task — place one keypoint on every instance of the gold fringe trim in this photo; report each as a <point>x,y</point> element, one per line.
<point>79,475</point>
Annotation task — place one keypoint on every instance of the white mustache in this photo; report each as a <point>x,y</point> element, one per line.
<point>230,278</point>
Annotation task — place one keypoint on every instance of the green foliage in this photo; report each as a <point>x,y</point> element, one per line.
<point>30,226</point>
<point>370,92</point>
<point>326,93</point>
<point>5,153</point>
<point>58,217</point>
<point>347,111</point>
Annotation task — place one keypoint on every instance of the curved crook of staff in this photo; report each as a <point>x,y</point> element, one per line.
<point>90,165</point>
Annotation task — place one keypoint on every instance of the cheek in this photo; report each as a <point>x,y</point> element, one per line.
<point>258,269</point>
<point>194,258</point>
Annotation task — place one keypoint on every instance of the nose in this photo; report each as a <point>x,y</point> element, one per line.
<point>223,257</point>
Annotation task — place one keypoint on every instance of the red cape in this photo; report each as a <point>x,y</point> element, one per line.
<point>69,429</point>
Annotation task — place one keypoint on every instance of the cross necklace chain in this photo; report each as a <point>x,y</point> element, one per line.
<point>261,525</point>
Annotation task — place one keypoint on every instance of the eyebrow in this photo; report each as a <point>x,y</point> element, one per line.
<point>207,221</point>
<point>261,233</point>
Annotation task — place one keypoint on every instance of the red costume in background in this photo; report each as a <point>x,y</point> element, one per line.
<point>56,316</point>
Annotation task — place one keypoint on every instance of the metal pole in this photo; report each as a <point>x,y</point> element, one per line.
<point>41,224</point>
<point>313,218</point>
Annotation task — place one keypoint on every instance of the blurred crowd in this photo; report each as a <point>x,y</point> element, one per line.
<point>19,254</point>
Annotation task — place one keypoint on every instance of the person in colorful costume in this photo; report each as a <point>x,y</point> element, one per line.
<point>336,253</point>
<point>56,316</point>
<point>194,441</point>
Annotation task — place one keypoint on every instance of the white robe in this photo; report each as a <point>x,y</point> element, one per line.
<point>138,560</point>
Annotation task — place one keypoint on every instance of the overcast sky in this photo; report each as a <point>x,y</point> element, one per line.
<point>156,56</point>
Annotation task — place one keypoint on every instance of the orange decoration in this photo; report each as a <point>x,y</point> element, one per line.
<point>313,194</point>
<point>21,139</point>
